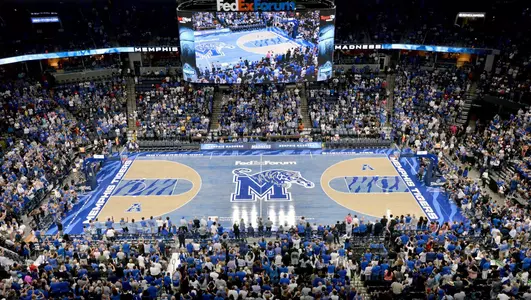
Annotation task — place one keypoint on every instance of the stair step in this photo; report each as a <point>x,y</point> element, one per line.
<point>216,110</point>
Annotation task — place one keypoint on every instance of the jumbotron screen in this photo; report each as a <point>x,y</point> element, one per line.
<point>256,47</point>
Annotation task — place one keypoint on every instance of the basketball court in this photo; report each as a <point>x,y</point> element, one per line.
<point>230,48</point>
<point>321,185</point>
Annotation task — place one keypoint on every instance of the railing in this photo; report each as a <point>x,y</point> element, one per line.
<point>8,253</point>
<point>359,143</point>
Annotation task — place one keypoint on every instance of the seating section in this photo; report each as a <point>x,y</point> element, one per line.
<point>352,105</point>
<point>427,105</point>
<point>172,110</point>
<point>259,111</point>
<point>43,139</point>
<point>99,105</point>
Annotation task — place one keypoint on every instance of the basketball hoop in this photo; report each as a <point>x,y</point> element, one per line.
<point>124,155</point>
<point>396,155</point>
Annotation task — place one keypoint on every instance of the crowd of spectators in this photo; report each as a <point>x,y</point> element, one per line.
<point>305,27</point>
<point>427,105</point>
<point>350,102</point>
<point>45,130</point>
<point>98,105</point>
<point>242,20</point>
<point>510,78</point>
<point>485,256</point>
<point>296,65</point>
<point>205,20</point>
<point>173,109</point>
<point>395,257</point>
<point>500,144</point>
<point>252,110</point>
<point>295,265</point>
<point>40,142</point>
<point>499,271</point>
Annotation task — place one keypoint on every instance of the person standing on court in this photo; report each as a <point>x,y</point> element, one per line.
<point>335,232</point>
<point>181,236</point>
<point>152,225</point>
<point>349,227</point>
<point>268,226</point>
<point>123,225</point>
<point>236,230</point>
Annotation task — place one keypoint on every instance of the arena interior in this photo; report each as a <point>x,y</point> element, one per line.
<point>237,149</point>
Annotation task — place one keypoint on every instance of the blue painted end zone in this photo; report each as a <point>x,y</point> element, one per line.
<point>108,178</point>
<point>210,164</point>
<point>435,196</point>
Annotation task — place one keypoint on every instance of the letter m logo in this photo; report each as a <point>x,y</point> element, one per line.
<point>248,190</point>
<point>270,185</point>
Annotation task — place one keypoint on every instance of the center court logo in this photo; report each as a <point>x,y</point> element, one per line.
<point>256,5</point>
<point>269,185</point>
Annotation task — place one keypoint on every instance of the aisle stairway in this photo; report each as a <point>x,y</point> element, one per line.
<point>304,110</point>
<point>216,110</point>
<point>390,90</point>
<point>131,104</point>
<point>357,283</point>
<point>470,97</point>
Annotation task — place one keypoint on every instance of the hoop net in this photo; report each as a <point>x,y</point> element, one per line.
<point>396,152</point>
<point>123,155</point>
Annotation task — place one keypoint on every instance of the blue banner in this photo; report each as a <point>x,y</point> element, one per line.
<point>89,52</point>
<point>443,49</point>
<point>29,57</point>
<point>412,47</point>
<point>262,146</point>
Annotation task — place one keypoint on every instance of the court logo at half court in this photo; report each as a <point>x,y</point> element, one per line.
<point>269,185</point>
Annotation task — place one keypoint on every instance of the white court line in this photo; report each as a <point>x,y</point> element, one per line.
<point>211,155</point>
<point>260,199</point>
<point>172,191</point>
<point>346,183</point>
<point>135,181</point>
<point>412,168</point>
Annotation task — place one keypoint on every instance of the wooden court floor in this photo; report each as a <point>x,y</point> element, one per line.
<point>374,204</point>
